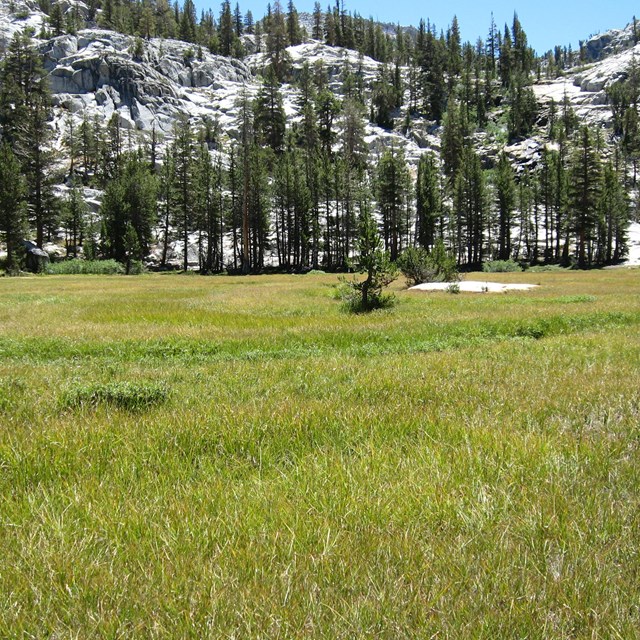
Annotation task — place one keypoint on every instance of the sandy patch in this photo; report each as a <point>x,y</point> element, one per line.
<point>474,286</point>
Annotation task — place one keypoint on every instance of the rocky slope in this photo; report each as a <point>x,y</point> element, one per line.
<point>95,73</point>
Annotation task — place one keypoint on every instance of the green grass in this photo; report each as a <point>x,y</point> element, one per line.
<point>237,457</point>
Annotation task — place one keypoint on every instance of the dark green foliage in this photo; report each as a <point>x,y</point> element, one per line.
<point>383,100</point>
<point>470,205</point>
<point>505,193</point>
<point>74,210</point>
<point>429,205</point>
<point>270,119</point>
<point>13,212</point>
<point>25,109</point>
<point>455,135</point>
<point>130,396</point>
<point>501,266</point>
<point>85,267</point>
<point>392,192</point>
<point>366,295</point>
<point>277,42</point>
<point>523,109</point>
<point>128,209</point>
<point>584,194</point>
<point>419,265</point>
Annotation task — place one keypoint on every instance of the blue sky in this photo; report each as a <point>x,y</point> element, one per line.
<point>546,22</point>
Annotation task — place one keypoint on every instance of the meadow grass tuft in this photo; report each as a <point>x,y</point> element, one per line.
<point>123,394</point>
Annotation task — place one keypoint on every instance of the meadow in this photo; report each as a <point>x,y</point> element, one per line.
<point>217,457</point>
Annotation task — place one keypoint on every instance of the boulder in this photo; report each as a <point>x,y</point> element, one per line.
<point>36,258</point>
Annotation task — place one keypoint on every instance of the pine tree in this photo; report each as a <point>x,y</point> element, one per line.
<point>523,108</point>
<point>455,132</point>
<point>13,210</point>
<point>392,190</point>
<point>429,205</point>
<point>317,31</point>
<point>226,32</point>
<point>584,194</point>
<point>373,261</point>
<point>631,139</point>
<point>270,119</point>
<point>249,23</point>
<point>454,48</point>
<point>74,212</point>
<point>208,210</point>
<point>130,199</point>
<point>383,99</point>
<point>432,58</point>
<point>277,41</point>
<point>613,217</point>
<point>470,207</point>
<point>167,197</point>
<point>188,22</point>
<point>56,20</point>
<point>293,25</point>
<point>238,22</point>
<point>184,191</point>
<point>505,193</point>
<point>327,109</point>
<point>25,110</point>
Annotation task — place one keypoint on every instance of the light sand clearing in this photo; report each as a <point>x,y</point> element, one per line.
<point>474,286</point>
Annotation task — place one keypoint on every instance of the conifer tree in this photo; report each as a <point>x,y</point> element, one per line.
<point>167,197</point>
<point>277,41</point>
<point>188,22</point>
<point>13,210</point>
<point>317,33</point>
<point>392,189</point>
<point>184,191</point>
<point>238,22</point>
<point>429,205</point>
<point>505,193</point>
<point>226,32</point>
<point>208,210</point>
<point>130,201</point>
<point>584,194</point>
<point>25,109</point>
<point>455,131</point>
<point>270,119</point>
<point>383,99</point>
<point>470,208</point>
<point>73,216</point>
<point>293,25</point>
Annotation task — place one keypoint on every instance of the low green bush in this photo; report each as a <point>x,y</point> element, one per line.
<point>85,267</point>
<point>352,299</point>
<point>454,288</point>
<point>124,395</point>
<point>419,265</point>
<point>501,266</point>
<point>543,268</point>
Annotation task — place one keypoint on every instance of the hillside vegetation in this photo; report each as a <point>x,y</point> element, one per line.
<point>214,458</point>
<point>141,132</point>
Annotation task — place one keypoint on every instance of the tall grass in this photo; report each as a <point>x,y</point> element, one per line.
<point>458,467</point>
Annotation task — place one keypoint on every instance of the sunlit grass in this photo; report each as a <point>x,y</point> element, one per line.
<point>460,466</point>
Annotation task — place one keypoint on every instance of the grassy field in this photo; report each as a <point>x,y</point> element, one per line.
<point>189,457</point>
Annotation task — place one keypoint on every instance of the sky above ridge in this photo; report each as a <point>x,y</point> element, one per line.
<point>546,22</point>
